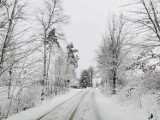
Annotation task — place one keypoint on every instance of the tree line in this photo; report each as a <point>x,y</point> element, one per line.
<point>33,63</point>
<point>128,57</point>
<point>86,77</point>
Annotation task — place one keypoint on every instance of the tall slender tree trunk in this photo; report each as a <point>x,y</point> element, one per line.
<point>8,36</point>
<point>47,71</point>
<point>44,81</point>
<point>114,74</point>
<point>65,81</point>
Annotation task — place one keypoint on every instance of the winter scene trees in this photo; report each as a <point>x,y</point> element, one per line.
<point>79,60</point>
<point>33,64</point>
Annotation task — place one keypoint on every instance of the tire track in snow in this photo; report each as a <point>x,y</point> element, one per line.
<point>87,108</point>
<point>75,110</point>
<point>82,93</point>
<point>97,112</point>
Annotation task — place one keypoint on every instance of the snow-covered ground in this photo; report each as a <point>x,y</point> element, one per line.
<point>87,109</point>
<point>65,110</point>
<point>97,106</point>
<point>87,104</point>
<point>113,110</point>
<point>45,107</point>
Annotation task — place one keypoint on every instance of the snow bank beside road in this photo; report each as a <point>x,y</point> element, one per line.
<point>37,112</point>
<point>110,109</point>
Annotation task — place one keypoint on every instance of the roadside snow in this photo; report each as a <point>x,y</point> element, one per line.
<point>45,107</point>
<point>110,109</point>
<point>149,102</point>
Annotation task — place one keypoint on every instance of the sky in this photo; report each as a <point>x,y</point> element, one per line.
<point>88,23</point>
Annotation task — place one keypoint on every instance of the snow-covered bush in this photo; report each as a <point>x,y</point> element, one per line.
<point>152,82</point>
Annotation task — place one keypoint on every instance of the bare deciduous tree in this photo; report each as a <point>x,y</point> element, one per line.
<point>49,18</point>
<point>145,17</point>
<point>112,52</point>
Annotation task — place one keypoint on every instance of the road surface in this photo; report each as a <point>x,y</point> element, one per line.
<point>80,107</point>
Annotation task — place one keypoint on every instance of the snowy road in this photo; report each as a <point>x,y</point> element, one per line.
<point>86,104</point>
<point>80,107</point>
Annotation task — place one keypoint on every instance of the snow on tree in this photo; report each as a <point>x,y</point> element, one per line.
<point>112,53</point>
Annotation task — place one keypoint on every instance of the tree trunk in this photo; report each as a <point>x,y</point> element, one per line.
<point>8,35</point>
<point>44,82</point>
<point>10,82</point>
<point>114,82</point>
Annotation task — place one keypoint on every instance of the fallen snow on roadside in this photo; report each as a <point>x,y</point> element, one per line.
<point>45,107</point>
<point>110,109</point>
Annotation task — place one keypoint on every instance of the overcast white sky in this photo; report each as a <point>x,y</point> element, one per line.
<point>88,22</point>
